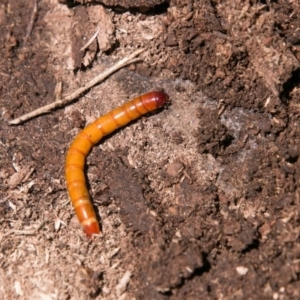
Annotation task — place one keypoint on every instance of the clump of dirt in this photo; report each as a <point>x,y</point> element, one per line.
<point>123,3</point>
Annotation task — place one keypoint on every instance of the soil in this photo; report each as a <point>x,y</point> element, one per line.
<point>199,200</point>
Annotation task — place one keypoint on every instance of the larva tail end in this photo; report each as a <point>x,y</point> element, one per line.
<point>92,228</point>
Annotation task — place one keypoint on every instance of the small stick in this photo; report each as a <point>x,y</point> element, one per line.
<point>4,74</point>
<point>91,39</point>
<point>30,25</point>
<point>25,232</point>
<point>44,109</point>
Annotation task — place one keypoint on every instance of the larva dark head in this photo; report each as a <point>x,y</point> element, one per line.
<point>154,100</point>
<point>161,98</point>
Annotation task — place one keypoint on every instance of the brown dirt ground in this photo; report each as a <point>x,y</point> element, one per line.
<point>198,201</point>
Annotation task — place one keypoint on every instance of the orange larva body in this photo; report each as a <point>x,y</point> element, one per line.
<point>91,135</point>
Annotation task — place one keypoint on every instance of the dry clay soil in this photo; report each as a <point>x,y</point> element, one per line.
<point>199,200</point>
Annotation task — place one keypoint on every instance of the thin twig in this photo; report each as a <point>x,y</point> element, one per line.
<point>4,74</point>
<point>30,25</point>
<point>25,232</point>
<point>44,109</point>
<point>91,39</point>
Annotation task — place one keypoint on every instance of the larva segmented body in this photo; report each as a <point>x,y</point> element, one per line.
<point>87,138</point>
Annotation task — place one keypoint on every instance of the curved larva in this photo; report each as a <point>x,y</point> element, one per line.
<point>87,138</point>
